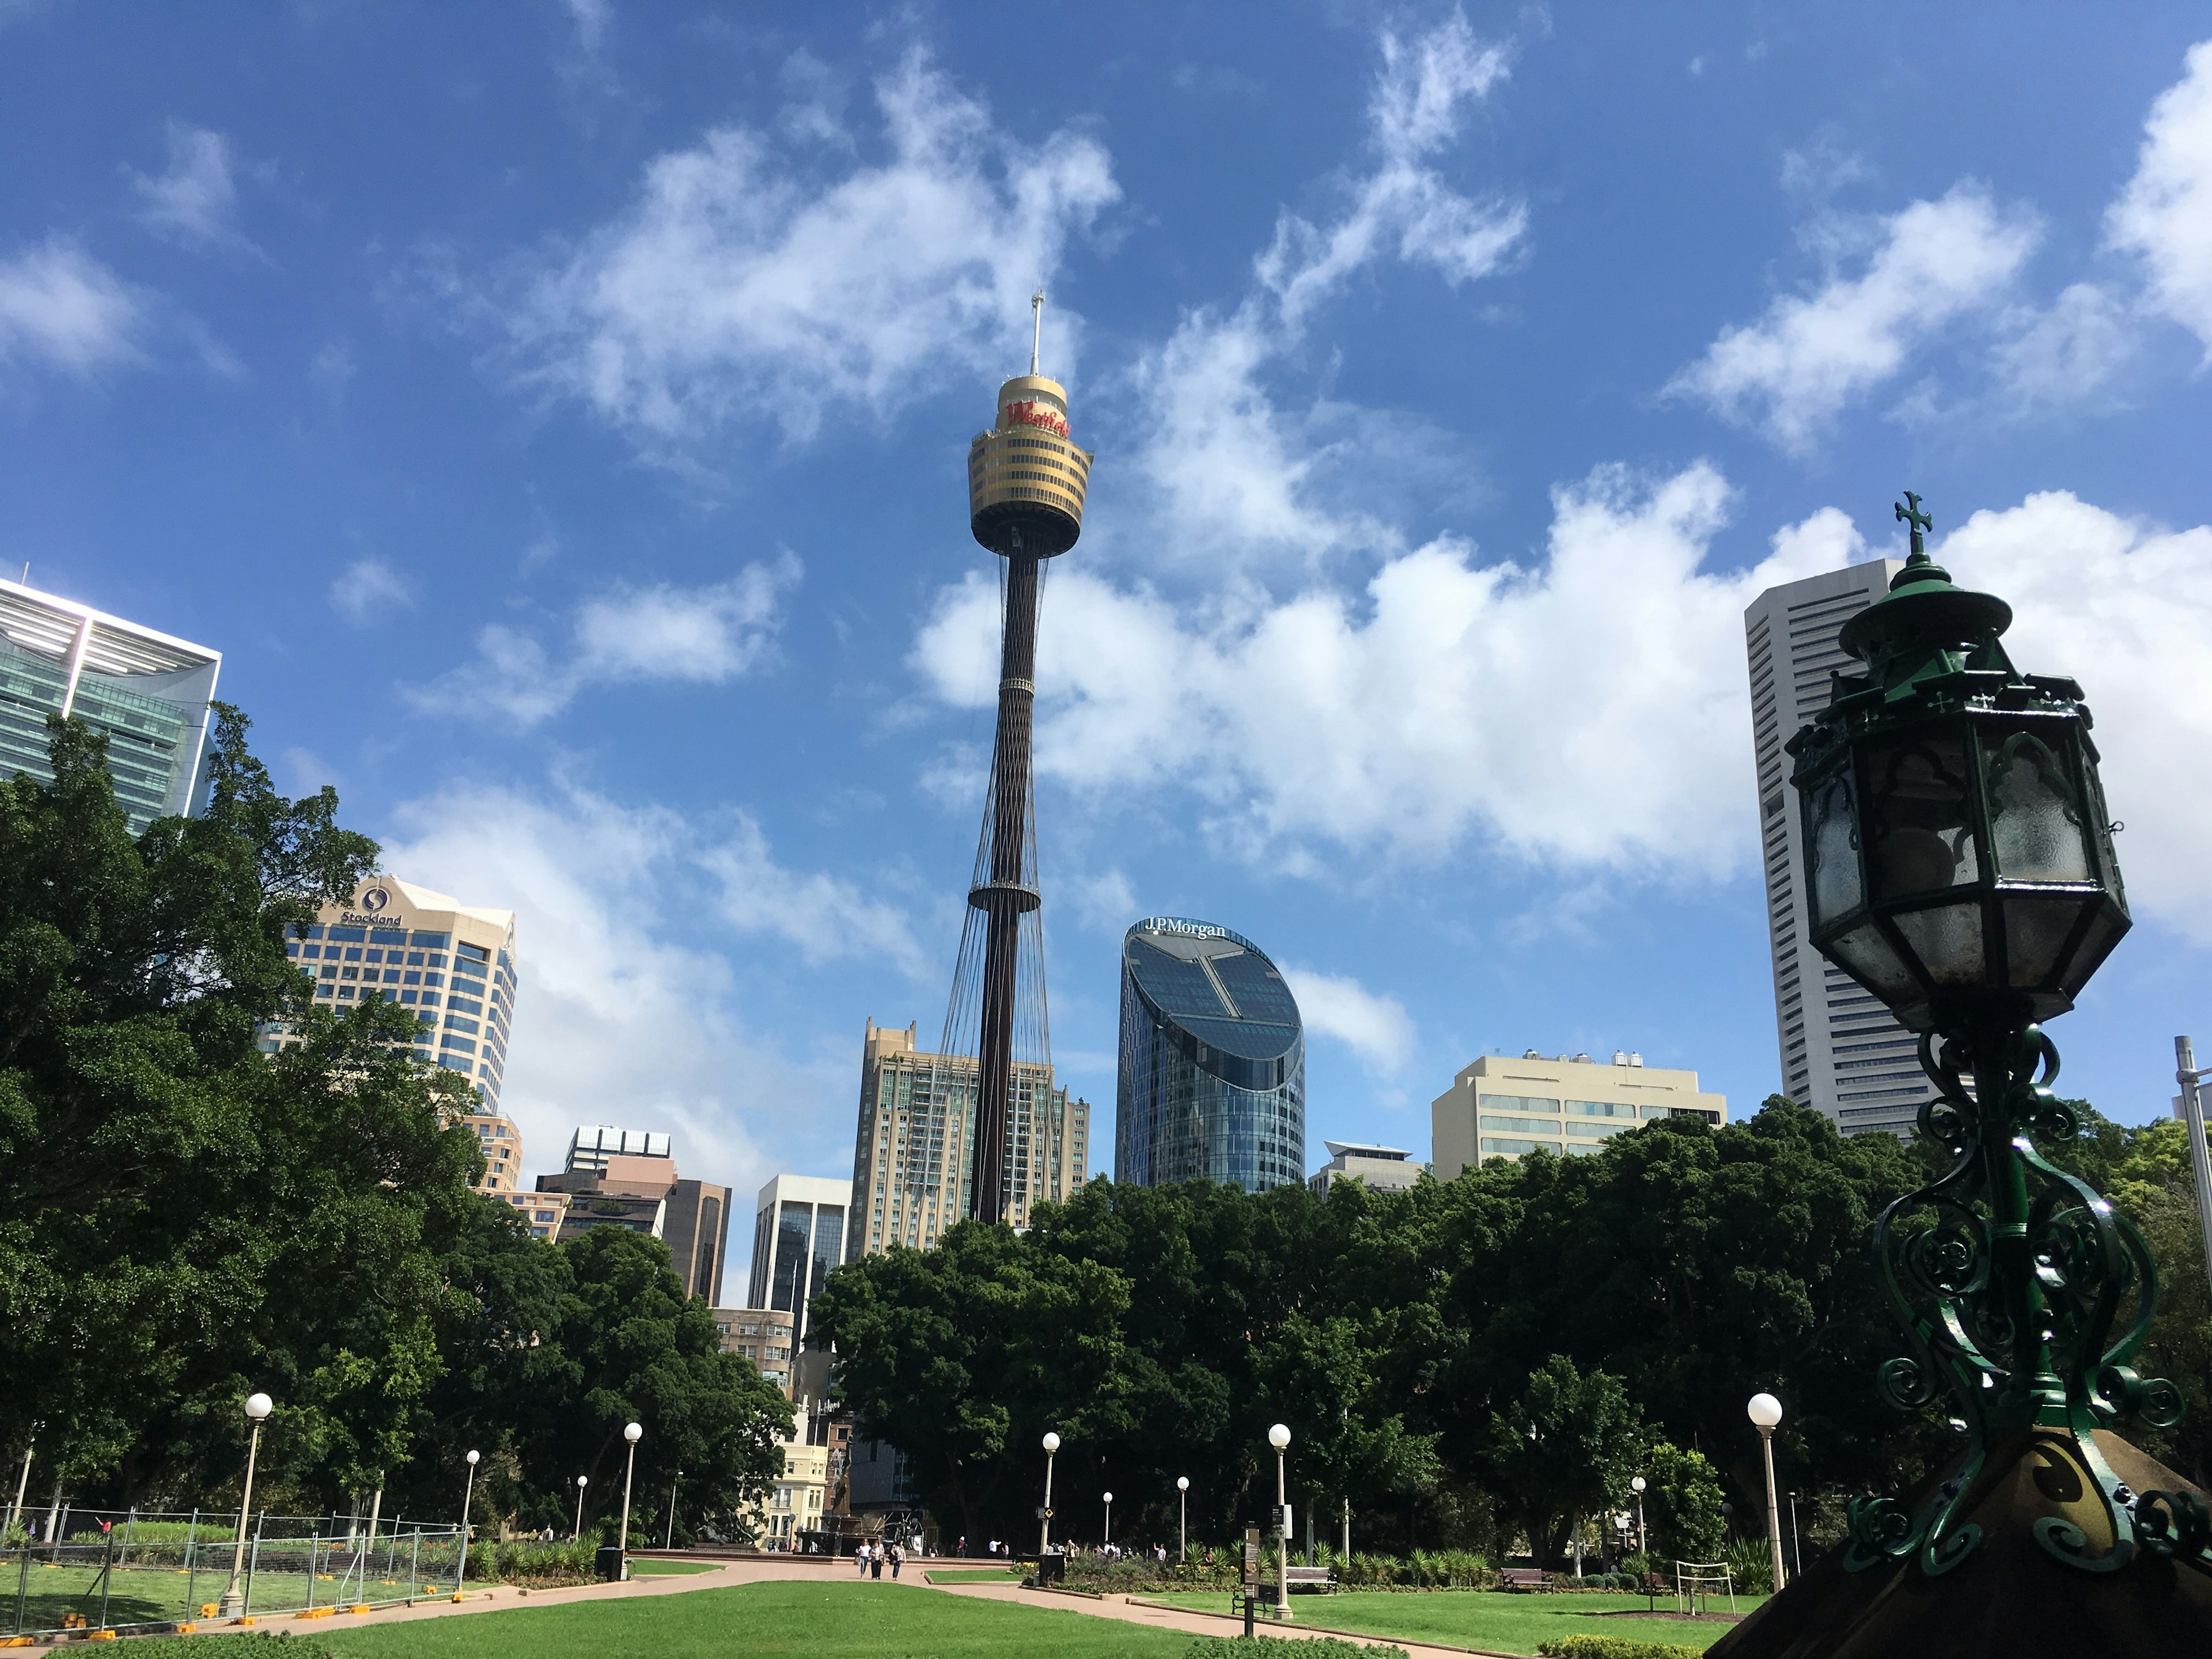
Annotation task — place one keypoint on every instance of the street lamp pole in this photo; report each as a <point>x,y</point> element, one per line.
<point>1109,1539</point>
<point>1044,1535</point>
<point>582,1481</point>
<point>1765,1412</point>
<point>632,1433</point>
<point>1279,1439</point>
<point>233,1601</point>
<point>468,1498</point>
<point>2200,1157</point>
<point>1183,1519</point>
<point>668,1542</point>
<point>23,1480</point>
<point>1642,1542</point>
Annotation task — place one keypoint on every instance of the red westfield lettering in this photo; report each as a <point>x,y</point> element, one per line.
<point>1031,413</point>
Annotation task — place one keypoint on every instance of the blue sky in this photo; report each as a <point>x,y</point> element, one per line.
<point>555,415</point>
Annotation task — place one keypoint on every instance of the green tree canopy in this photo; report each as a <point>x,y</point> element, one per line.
<point>1562,1448</point>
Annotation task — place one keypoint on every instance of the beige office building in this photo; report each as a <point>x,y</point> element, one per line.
<point>453,964</point>
<point>1501,1108</point>
<point>916,1148</point>
<point>764,1335</point>
<point>543,1212</point>
<point>500,1142</point>
<point>1842,1051</point>
<point>642,1190</point>
<point>801,1491</point>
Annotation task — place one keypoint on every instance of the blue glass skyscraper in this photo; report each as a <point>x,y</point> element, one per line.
<point>1214,1061</point>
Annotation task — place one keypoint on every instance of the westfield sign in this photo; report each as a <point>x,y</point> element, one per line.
<point>1030,412</point>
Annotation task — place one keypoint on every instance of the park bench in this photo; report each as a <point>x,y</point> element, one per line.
<point>1320,1578</point>
<point>1522,1577</point>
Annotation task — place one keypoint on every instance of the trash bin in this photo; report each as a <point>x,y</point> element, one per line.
<point>1051,1568</point>
<point>612,1566</point>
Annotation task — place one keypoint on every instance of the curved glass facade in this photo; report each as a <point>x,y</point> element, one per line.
<point>1214,1061</point>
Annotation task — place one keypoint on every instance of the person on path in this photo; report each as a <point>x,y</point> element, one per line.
<point>860,1555</point>
<point>876,1563</point>
<point>898,1557</point>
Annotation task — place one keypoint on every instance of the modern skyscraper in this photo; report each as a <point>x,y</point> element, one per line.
<point>453,963</point>
<point>1505,1107</point>
<point>799,1236</point>
<point>1214,1061</point>
<point>913,1157</point>
<point>592,1145</point>
<point>146,692</point>
<point>1843,1053</point>
<point>1026,484</point>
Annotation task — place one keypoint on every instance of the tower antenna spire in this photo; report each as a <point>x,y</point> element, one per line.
<point>1036,333</point>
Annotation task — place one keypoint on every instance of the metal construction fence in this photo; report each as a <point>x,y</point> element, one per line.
<point>118,1581</point>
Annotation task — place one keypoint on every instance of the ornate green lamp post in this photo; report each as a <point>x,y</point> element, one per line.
<point>1961,867</point>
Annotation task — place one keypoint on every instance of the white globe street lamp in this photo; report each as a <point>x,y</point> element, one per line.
<point>582,1481</point>
<point>1044,1535</point>
<point>232,1605</point>
<point>1643,1542</point>
<point>632,1433</point>
<point>1183,1519</point>
<point>1109,1521</point>
<point>1765,1412</point>
<point>468,1497</point>
<point>1279,1439</point>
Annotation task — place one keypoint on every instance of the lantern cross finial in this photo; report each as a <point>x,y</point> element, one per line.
<point>1909,513</point>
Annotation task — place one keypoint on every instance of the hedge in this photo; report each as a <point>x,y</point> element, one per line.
<point>1612,1647</point>
<point>1284,1647</point>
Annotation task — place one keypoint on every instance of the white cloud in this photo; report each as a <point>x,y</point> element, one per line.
<point>1591,710</point>
<point>696,635</point>
<point>195,201</point>
<point>2125,607</point>
<point>612,1020</point>
<point>1811,354</point>
<point>780,280</point>
<point>1376,1028</point>
<point>826,919</point>
<point>369,587</point>
<point>2164,214</point>
<point>591,19</point>
<point>2069,353</point>
<point>1229,469</point>
<point>60,305</point>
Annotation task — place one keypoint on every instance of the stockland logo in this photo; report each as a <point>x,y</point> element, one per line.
<point>375,899</point>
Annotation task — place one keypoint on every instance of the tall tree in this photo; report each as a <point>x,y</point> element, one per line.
<point>1563,1447</point>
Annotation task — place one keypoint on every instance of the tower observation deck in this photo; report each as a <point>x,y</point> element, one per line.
<point>1026,484</point>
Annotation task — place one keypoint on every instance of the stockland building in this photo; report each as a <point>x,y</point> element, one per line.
<point>452,964</point>
<point>1502,1108</point>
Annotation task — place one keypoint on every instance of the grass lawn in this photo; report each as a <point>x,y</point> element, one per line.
<point>846,1619</point>
<point>976,1575</point>
<point>1503,1622</point>
<point>668,1568</point>
<point>161,1594</point>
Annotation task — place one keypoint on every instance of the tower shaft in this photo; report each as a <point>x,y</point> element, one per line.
<point>1005,898</point>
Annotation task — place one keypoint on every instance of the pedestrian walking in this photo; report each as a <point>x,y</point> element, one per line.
<point>876,1563</point>
<point>898,1558</point>
<point>860,1555</point>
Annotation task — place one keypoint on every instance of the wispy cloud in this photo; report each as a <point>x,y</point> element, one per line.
<point>62,307</point>
<point>1812,354</point>
<point>772,277</point>
<point>700,636</point>
<point>1375,1028</point>
<point>368,587</point>
<point>823,918</point>
<point>195,201</point>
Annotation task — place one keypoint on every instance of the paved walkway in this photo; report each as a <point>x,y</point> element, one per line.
<point>1133,1610</point>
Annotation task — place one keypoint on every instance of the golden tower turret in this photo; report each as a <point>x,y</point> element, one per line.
<point>1026,479</point>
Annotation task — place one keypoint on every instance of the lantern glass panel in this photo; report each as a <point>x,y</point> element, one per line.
<point>1869,953</point>
<point>2036,827</point>
<point>2036,931</point>
<point>2105,931</point>
<point>1922,824</point>
<point>1947,940</point>
<point>1835,838</point>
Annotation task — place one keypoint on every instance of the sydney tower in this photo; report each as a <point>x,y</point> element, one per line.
<point>1026,483</point>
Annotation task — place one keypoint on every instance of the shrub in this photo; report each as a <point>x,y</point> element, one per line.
<point>1280,1647</point>
<point>259,1644</point>
<point>1612,1647</point>
<point>525,1561</point>
<point>1751,1563</point>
